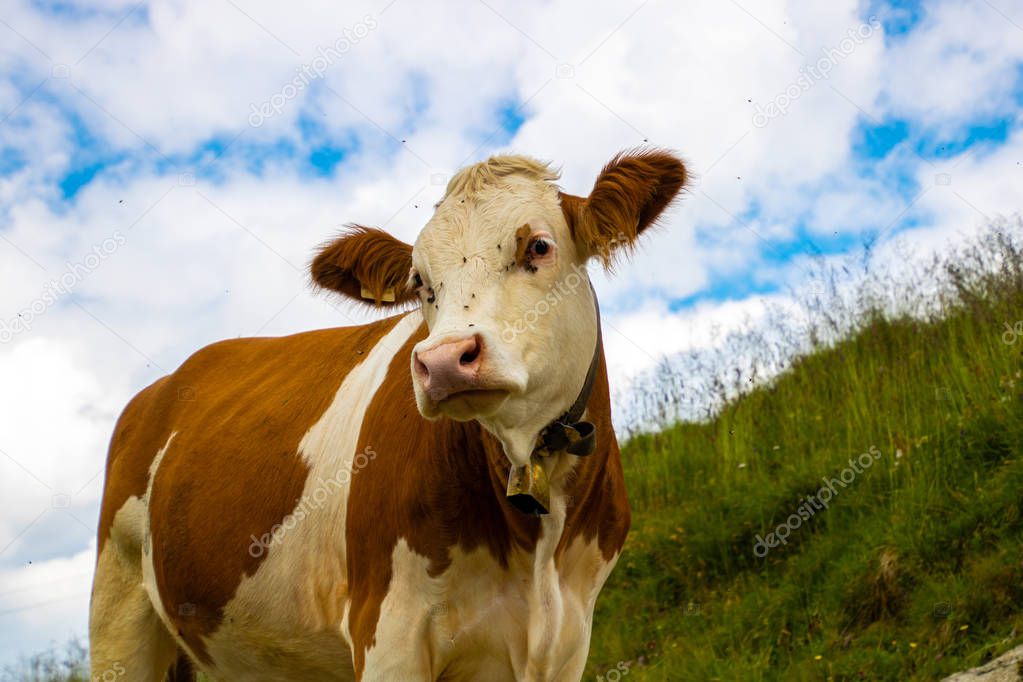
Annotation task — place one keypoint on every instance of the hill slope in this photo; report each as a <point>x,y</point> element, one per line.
<point>905,564</point>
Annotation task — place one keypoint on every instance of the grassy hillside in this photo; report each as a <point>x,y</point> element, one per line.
<point>913,570</point>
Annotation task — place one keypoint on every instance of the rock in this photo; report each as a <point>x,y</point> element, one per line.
<point>1005,668</point>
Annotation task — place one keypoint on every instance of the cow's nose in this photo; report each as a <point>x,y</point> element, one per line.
<point>449,367</point>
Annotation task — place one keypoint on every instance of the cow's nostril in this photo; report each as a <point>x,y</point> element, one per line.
<point>470,356</point>
<point>449,367</point>
<point>421,369</point>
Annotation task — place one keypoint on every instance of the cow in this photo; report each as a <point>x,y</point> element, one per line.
<point>437,495</point>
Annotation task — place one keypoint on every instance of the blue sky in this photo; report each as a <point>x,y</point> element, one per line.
<point>133,121</point>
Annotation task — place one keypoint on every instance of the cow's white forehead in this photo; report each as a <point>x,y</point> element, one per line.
<point>476,178</point>
<point>486,203</point>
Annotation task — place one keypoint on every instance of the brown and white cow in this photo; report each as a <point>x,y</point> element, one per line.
<point>335,505</point>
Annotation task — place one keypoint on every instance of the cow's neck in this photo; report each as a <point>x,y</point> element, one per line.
<point>458,484</point>
<point>531,484</point>
<point>577,484</point>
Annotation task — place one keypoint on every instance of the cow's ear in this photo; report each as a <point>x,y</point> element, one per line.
<point>631,193</point>
<point>366,265</point>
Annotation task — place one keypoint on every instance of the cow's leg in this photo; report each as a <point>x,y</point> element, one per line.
<point>575,666</point>
<point>391,658</point>
<point>183,671</point>
<point>127,639</point>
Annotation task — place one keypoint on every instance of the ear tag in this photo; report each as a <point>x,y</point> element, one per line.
<point>386,297</point>
<point>529,488</point>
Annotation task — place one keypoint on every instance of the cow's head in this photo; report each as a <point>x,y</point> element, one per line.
<point>499,272</point>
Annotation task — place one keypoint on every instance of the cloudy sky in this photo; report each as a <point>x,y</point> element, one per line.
<point>167,166</point>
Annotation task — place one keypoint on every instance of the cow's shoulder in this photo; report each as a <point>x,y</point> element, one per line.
<point>229,422</point>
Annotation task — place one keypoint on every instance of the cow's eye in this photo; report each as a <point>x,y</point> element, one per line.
<point>417,280</point>
<point>533,249</point>
<point>539,247</point>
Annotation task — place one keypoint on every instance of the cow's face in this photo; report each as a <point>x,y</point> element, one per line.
<point>499,273</point>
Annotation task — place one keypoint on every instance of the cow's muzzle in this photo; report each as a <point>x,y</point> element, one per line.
<point>450,367</point>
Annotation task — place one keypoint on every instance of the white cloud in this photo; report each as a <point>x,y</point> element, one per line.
<point>636,340</point>
<point>41,604</point>
<point>49,383</point>
<point>961,64</point>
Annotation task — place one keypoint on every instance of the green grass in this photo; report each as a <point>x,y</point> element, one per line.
<point>914,571</point>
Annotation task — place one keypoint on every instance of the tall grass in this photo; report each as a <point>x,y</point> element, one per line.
<point>914,570</point>
<point>67,663</point>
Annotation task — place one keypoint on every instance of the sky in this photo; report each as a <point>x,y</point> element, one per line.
<point>168,166</point>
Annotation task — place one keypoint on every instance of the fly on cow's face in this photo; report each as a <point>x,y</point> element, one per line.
<point>420,286</point>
